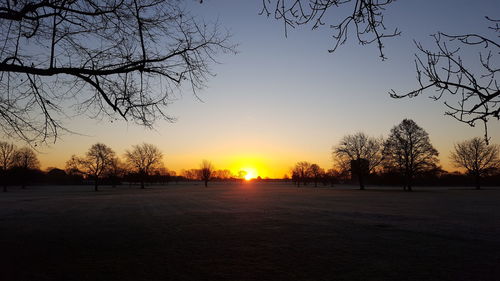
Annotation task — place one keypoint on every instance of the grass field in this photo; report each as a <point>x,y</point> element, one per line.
<point>249,231</point>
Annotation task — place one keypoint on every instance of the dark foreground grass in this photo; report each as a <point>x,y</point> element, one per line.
<point>248,232</point>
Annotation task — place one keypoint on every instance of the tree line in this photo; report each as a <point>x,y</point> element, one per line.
<point>100,165</point>
<point>21,163</point>
<point>405,156</point>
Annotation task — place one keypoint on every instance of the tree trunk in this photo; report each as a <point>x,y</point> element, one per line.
<point>478,181</point>
<point>4,180</point>
<point>407,179</point>
<point>143,178</point>
<point>206,183</point>
<point>3,177</point>
<point>25,175</point>
<point>361,182</point>
<point>96,184</point>
<point>408,183</point>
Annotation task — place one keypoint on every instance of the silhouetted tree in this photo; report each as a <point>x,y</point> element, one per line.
<point>364,153</point>
<point>331,176</point>
<point>191,174</point>
<point>222,174</point>
<point>96,162</point>
<point>409,150</point>
<point>7,151</point>
<point>163,175</point>
<point>25,157</point>
<point>120,58</point>
<point>364,17</point>
<point>471,91</point>
<point>316,173</point>
<point>26,161</point>
<point>242,174</point>
<point>206,170</point>
<point>301,172</point>
<point>143,159</point>
<point>477,157</point>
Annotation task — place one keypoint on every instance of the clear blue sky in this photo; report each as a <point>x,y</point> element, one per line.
<point>282,100</point>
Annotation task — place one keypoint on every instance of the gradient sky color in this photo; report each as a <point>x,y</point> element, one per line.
<point>283,100</point>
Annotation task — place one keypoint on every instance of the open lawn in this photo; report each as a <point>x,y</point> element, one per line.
<point>248,231</point>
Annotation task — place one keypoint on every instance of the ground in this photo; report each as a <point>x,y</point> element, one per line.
<point>249,231</point>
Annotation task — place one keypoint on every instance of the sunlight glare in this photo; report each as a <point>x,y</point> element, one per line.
<point>250,173</point>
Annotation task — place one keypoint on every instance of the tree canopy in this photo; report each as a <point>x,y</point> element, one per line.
<point>102,58</point>
<point>408,149</point>
<point>144,158</point>
<point>357,149</point>
<point>477,157</point>
<point>364,18</point>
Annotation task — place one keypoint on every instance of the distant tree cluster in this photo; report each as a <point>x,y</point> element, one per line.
<point>100,165</point>
<point>141,162</point>
<point>207,172</point>
<point>18,165</point>
<point>304,172</point>
<point>408,155</point>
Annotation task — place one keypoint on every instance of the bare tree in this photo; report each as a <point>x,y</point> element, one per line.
<point>191,174</point>
<point>109,58</point>
<point>96,162</point>
<point>333,176</point>
<point>409,150</point>
<point>477,157</point>
<point>242,174</point>
<point>301,172</point>
<point>7,151</point>
<point>144,158</point>
<point>25,160</point>
<point>364,17</point>
<point>364,154</point>
<point>470,90</point>
<point>316,173</point>
<point>206,171</point>
<point>222,174</point>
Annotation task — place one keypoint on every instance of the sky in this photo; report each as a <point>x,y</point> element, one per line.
<point>283,100</point>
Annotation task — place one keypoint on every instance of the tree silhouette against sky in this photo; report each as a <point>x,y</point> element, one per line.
<point>103,58</point>
<point>408,150</point>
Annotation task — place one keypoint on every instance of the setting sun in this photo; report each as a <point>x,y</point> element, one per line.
<point>250,173</point>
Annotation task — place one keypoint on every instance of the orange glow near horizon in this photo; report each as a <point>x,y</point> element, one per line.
<point>248,166</point>
<point>250,173</point>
